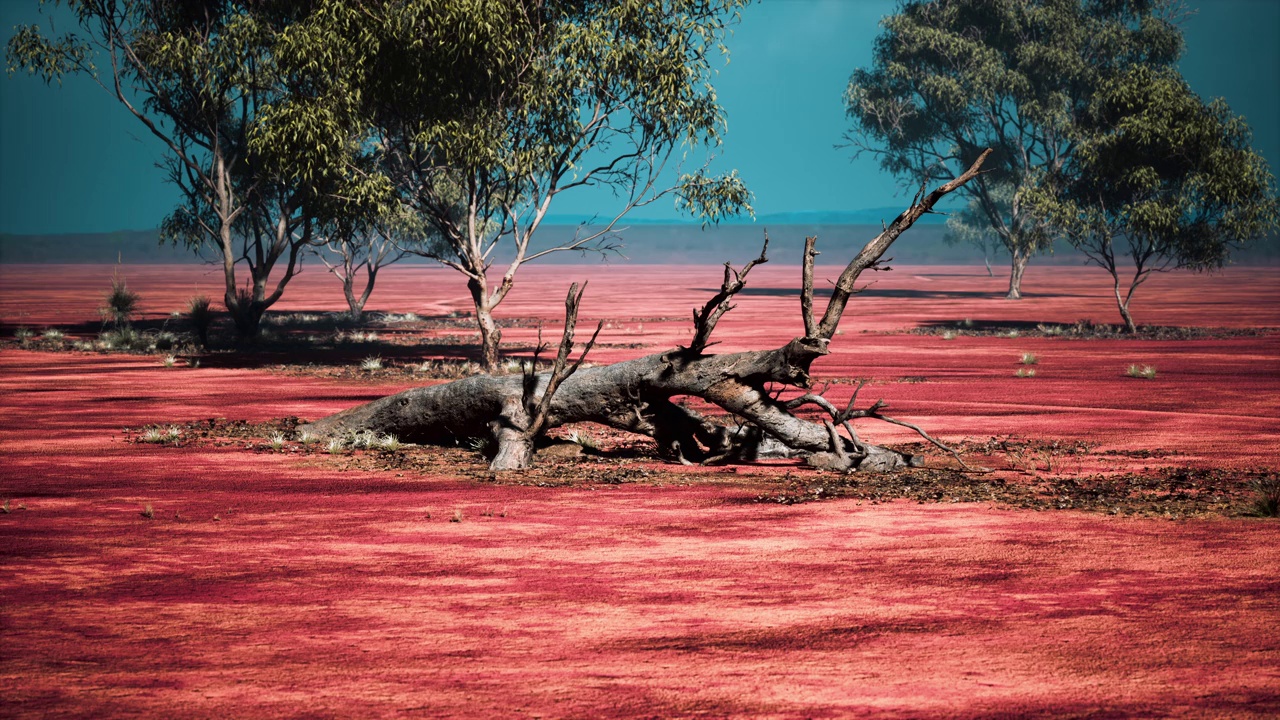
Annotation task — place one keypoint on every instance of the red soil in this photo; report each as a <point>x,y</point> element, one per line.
<point>322,592</point>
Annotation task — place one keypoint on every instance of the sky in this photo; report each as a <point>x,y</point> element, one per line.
<point>73,161</point>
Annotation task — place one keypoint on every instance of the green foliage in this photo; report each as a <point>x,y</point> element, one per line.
<point>949,79</point>
<point>473,115</point>
<point>198,76</point>
<point>1162,177</point>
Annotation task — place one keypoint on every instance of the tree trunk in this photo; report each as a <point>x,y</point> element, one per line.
<point>986,259</point>
<point>490,333</point>
<point>247,316</point>
<point>1020,260</point>
<point>1123,303</point>
<point>355,305</point>
<point>636,395</point>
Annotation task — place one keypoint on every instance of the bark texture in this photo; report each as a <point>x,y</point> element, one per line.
<point>637,395</point>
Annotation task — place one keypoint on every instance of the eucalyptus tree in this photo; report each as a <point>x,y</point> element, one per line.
<point>1161,177</point>
<point>951,77</point>
<point>483,112</point>
<point>196,76</point>
<point>368,245</point>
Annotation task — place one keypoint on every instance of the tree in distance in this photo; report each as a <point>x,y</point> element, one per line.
<point>482,114</point>
<point>1162,177</point>
<point>951,77</point>
<point>198,76</point>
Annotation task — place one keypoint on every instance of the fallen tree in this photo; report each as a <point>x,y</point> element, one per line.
<point>636,395</point>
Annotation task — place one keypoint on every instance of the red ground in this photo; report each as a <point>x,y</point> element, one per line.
<point>322,592</point>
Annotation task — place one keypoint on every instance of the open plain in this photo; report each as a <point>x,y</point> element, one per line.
<point>291,582</point>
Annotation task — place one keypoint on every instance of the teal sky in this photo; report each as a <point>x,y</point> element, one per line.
<point>71,160</point>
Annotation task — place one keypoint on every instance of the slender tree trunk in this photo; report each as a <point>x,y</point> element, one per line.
<point>1123,303</point>
<point>987,260</point>
<point>1020,260</point>
<point>490,333</point>
<point>355,305</point>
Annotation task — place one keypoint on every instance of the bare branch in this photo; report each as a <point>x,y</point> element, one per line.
<point>806,289</point>
<point>704,321</point>
<point>873,250</point>
<point>562,370</point>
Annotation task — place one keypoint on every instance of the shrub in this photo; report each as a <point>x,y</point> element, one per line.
<point>276,441</point>
<point>948,335</point>
<point>1267,501</point>
<point>1029,358</point>
<point>371,363</point>
<point>53,335</point>
<point>121,303</point>
<point>1144,372</point>
<point>1025,373</point>
<point>23,334</point>
<point>390,443</point>
<point>169,361</point>
<point>586,442</point>
<point>200,314</point>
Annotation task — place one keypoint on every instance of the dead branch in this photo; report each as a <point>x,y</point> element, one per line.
<point>806,287</point>
<point>704,321</point>
<point>562,370</point>
<point>873,250</point>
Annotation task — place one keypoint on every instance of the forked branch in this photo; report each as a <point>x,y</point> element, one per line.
<point>561,370</point>
<point>704,321</point>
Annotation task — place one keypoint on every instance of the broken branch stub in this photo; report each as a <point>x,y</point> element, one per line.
<point>636,395</point>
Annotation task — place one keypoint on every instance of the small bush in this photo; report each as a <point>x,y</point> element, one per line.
<point>148,512</point>
<point>1144,372</point>
<point>1025,373</point>
<point>948,335</point>
<point>276,441</point>
<point>169,361</point>
<point>390,443</point>
<point>1029,358</point>
<point>165,340</point>
<point>334,447</point>
<point>123,338</point>
<point>307,438</point>
<point>121,303</point>
<point>371,363</point>
<point>1267,501</point>
<point>586,442</point>
<point>1050,330</point>
<point>457,516</point>
<point>23,334</point>
<point>53,335</point>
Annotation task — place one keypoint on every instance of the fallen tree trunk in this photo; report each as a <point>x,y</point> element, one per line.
<point>636,395</point>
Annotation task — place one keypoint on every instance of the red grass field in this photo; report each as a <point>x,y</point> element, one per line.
<point>283,585</point>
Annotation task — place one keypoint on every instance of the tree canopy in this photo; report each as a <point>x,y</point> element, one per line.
<point>951,77</point>
<point>1169,179</point>
<point>481,112</point>
<point>198,76</point>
